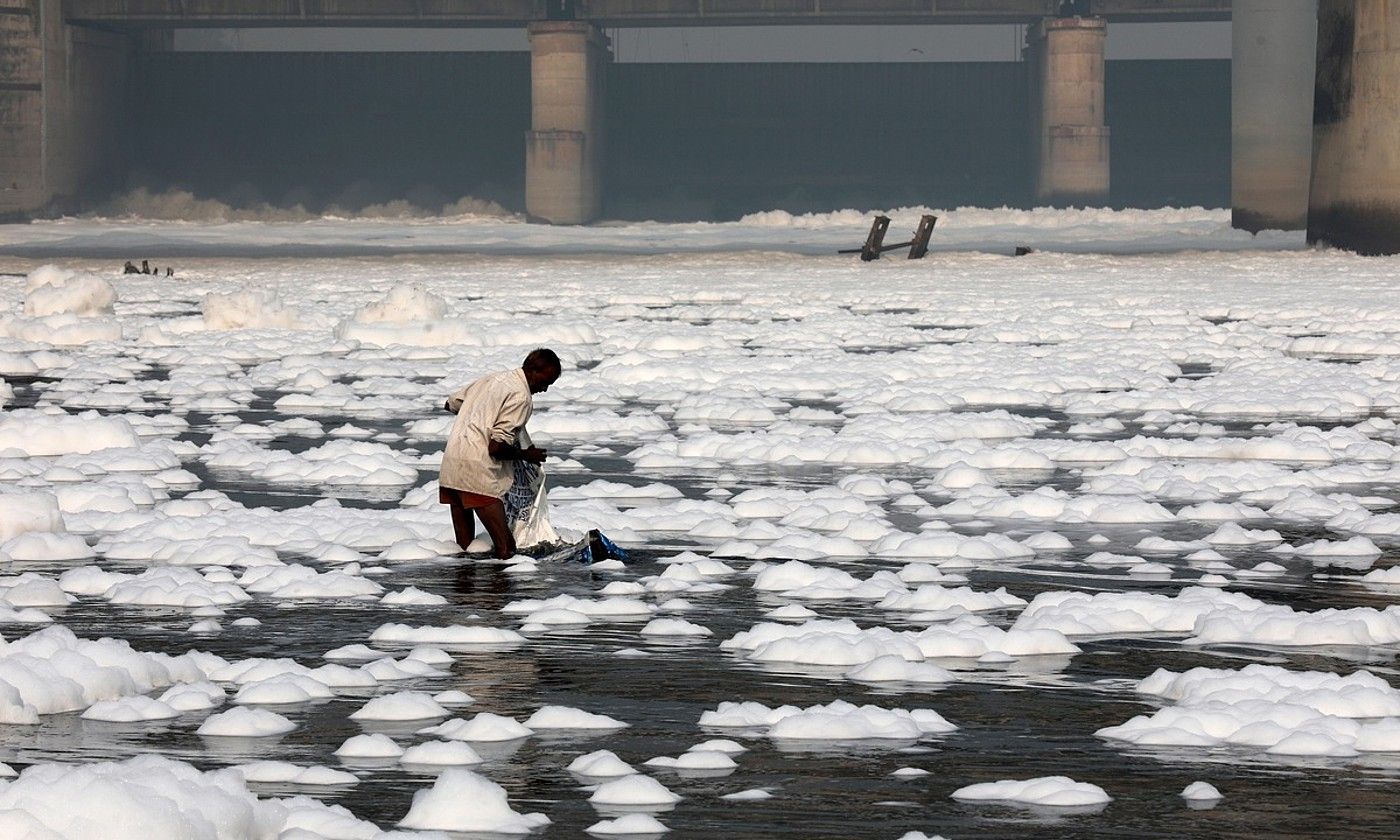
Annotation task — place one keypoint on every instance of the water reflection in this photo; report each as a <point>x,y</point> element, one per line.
<point>1030,716</point>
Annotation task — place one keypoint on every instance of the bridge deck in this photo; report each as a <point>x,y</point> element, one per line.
<point>612,13</point>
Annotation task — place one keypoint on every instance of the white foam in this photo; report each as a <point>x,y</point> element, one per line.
<point>55,291</point>
<point>627,824</point>
<point>563,717</point>
<point>453,635</point>
<point>370,746</point>
<point>286,773</point>
<point>602,763</point>
<point>1266,708</point>
<point>441,753</point>
<point>635,791</point>
<point>461,800</point>
<point>402,705</point>
<point>72,802</point>
<point>483,727</point>
<point>245,723</point>
<point>835,721</point>
<point>1047,791</point>
<point>1201,792</point>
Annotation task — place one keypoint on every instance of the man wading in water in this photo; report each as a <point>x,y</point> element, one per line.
<point>476,468</point>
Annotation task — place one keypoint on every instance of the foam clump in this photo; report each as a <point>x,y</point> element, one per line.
<point>369,747</point>
<point>282,690</point>
<point>39,546</point>
<point>1201,792</point>
<point>193,697</point>
<point>283,772</point>
<point>897,669</point>
<point>130,710</point>
<point>563,717</point>
<point>440,753</point>
<point>841,642</point>
<point>456,634</point>
<point>174,586</point>
<point>627,824</point>
<point>751,795</point>
<point>403,705</point>
<point>1047,791</point>
<point>116,801</point>
<point>53,671</point>
<point>1278,624</point>
<point>709,760</point>
<point>674,627</point>
<point>484,727</point>
<point>835,721</point>
<point>412,596</point>
<point>635,791</point>
<point>245,723</point>
<point>405,302</point>
<point>1127,613</point>
<point>33,590</point>
<point>55,291</point>
<point>602,763</point>
<point>26,513</point>
<point>461,800</point>
<point>1269,709</point>
<point>251,309</point>
<point>33,433</point>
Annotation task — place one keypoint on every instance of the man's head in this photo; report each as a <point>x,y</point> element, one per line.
<point>541,368</point>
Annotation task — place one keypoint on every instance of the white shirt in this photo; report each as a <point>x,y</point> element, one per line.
<point>494,407</point>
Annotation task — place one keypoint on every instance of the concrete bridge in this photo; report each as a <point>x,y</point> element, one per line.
<point>65,70</point>
<point>129,14</point>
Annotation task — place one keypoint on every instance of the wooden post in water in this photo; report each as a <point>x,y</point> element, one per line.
<point>919,246</point>
<point>873,242</point>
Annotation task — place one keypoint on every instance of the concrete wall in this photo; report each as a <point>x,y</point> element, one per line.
<point>1274,53</point>
<point>64,108</point>
<point>721,140</point>
<point>565,147</point>
<point>1065,59</point>
<point>1355,190</point>
<point>342,128</point>
<point>1171,133</point>
<point>21,108</point>
<point>685,141</point>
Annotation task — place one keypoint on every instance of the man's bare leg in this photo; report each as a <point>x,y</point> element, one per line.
<point>493,516</point>
<point>462,525</point>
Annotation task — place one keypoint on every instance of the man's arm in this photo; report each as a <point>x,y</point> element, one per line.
<point>502,451</point>
<point>454,402</point>
<point>501,439</point>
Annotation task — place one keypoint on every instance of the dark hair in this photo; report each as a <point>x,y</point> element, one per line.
<point>542,359</point>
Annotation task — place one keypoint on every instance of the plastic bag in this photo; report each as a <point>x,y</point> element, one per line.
<point>527,504</point>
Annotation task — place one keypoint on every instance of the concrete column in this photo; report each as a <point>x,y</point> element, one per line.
<point>1271,95</point>
<point>21,109</point>
<point>564,148</point>
<point>64,107</point>
<point>1065,57</point>
<point>1354,200</point>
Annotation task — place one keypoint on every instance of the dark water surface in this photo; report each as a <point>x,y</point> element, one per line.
<point>1033,717</point>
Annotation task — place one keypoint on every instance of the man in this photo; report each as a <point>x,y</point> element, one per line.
<point>485,439</point>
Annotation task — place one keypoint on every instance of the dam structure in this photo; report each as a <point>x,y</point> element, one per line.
<point>86,87</point>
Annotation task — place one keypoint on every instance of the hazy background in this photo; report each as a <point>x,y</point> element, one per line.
<point>704,123</point>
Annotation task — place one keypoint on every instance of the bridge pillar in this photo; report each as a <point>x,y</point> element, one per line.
<point>63,107</point>
<point>564,148</point>
<point>1354,201</point>
<point>1070,140</point>
<point>1271,92</point>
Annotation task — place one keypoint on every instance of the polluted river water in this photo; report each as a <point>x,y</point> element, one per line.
<point>895,531</point>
